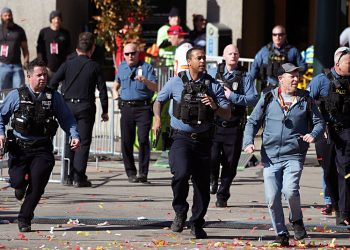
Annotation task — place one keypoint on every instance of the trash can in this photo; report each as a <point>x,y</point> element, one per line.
<point>218,36</point>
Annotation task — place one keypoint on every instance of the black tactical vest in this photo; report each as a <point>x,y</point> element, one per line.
<point>191,110</point>
<point>336,105</point>
<point>35,117</point>
<point>276,59</point>
<point>236,85</point>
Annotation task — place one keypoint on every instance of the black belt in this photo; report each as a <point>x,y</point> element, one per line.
<point>227,124</point>
<point>136,103</point>
<point>33,143</point>
<point>76,100</point>
<point>194,136</point>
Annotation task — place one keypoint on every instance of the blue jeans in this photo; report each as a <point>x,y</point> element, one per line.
<point>11,76</point>
<point>283,177</point>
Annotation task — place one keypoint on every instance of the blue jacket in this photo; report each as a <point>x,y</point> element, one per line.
<point>281,135</point>
<point>262,57</point>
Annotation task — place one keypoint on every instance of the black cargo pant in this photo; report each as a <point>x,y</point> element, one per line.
<point>226,150</point>
<point>190,159</point>
<point>132,117</point>
<point>84,114</point>
<point>36,161</point>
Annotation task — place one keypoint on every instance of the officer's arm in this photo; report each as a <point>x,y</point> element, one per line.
<point>102,88</point>
<point>115,89</point>
<point>157,110</point>
<point>150,80</point>
<point>250,96</point>
<point>58,76</point>
<point>9,105</point>
<point>224,112</point>
<point>257,63</point>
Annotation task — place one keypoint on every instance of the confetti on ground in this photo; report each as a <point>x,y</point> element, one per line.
<point>103,223</point>
<point>141,218</point>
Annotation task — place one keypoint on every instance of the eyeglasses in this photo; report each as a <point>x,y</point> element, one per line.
<point>278,34</point>
<point>342,53</point>
<point>130,53</point>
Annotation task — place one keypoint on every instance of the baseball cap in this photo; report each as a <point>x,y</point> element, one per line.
<point>176,30</point>
<point>340,52</point>
<point>287,68</point>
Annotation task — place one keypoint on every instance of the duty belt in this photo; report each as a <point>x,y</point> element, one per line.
<point>194,136</point>
<point>33,143</point>
<point>136,103</point>
<point>227,124</point>
<point>76,100</point>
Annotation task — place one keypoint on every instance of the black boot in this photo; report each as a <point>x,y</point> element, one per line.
<point>282,240</point>
<point>178,223</point>
<point>299,230</point>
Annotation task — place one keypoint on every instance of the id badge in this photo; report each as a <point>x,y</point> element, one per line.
<point>53,48</point>
<point>4,50</point>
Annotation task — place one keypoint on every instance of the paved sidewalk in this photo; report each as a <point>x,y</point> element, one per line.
<point>115,214</point>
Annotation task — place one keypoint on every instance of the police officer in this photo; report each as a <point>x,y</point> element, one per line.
<point>332,89</point>
<point>196,97</point>
<point>81,77</point>
<point>228,137</point>
<point>35,108</point>
<point>272,56</point>
<point>137,83</point>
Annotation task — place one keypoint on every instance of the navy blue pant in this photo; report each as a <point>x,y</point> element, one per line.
<point>132,117</point>
<point>342,161</point>
<point>330,173</point>
<point>190,159</point>
<point>84,114</point>
<point>37,163</point>
<point>226,150</point>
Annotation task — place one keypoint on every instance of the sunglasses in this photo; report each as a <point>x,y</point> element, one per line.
<point>344,52</point>
<point>130,53</point>
<point>278,34</point>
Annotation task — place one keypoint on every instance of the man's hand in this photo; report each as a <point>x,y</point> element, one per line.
<point>75,144</point>
<point>308,138</point>
<point>208,100</point>
<point>227,92</point>
<point>2,144</point>
<point>156,125</point>
<point>249,149</point>
<point>105,117</point>
<point>141,79</point>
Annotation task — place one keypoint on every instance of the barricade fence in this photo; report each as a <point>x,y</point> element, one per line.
<point>106,135</point>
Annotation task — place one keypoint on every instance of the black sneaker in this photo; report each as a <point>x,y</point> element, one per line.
<point>213,187</point>
<point>221,203</point>
<point>299,230</point>
<point>142,179</point>
<point>20,192</point>
<point>282,240</point>
<point>341,219</point>
<point>198,232</point>
<point>133,179</point>
<point>85,183</point>
<point>24,227</point>
<point>178,223</point>
<point>68,182</point>
<point>327,210</point>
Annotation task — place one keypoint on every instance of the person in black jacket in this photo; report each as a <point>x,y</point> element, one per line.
<point>81,76</point>
<point>53,45</point>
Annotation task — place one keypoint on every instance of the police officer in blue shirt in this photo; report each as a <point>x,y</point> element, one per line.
<point>228,137</point>
<point>35,109</point>
<point>272,56</point>
<point>332,90</point>
<point>196,97</point>
<point>137,83</point>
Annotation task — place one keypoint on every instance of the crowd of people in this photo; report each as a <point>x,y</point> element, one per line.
<point>209,126</point>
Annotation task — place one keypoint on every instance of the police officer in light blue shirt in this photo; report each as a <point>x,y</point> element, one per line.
<point>35,109</point>
<point>272,56</point>
<point>134,86</point>
<point>196,97</point>
<point>227,142</point>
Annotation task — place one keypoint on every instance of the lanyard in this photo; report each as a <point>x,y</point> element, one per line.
<point>285,105</point>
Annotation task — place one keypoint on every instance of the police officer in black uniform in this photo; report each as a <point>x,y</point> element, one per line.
<point>196,97</point>
<point>81,76</point>
<point>228,137</point>
<point>35,109</point>
<point>332,90</point>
